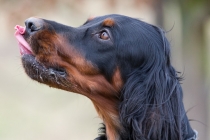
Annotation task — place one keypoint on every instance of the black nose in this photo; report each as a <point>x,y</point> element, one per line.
<point>33,24</point>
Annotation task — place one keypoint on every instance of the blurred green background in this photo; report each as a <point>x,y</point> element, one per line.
<point>31,111</point>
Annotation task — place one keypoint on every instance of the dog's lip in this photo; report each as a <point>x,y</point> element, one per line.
<point>22,43</point>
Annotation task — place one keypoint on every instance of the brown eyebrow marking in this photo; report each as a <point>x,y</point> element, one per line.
<point>108,22</point>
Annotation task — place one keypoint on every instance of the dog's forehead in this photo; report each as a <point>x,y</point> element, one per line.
<point>107,20</point>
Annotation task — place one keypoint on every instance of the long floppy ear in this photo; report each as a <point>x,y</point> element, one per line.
<point>151,100</point>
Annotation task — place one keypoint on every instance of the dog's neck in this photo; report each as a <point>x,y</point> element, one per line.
<point>109,114</point>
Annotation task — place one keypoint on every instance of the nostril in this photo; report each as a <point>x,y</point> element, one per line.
<point>33,24</point>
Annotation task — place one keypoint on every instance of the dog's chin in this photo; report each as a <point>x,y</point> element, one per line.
<point>52,76</point>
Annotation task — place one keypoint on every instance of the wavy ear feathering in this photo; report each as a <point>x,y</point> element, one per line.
<point>151,104</point>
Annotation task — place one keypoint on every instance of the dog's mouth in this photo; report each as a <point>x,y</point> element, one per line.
<point>54,76</point>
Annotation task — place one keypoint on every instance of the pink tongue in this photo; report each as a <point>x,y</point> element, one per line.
<point>23,45</point>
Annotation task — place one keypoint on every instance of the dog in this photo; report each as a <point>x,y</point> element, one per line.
<point>121,64</point>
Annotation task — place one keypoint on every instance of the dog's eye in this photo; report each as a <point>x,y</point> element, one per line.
<point>104,35</point>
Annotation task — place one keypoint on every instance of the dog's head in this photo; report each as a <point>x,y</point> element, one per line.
<point>103,50</point>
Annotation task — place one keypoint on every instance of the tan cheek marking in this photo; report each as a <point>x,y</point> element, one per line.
<point>44,42</point>
<point>45,49</point>
<point>117,81</point>
<point>108,22</point>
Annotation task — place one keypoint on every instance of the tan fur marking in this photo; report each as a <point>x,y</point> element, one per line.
<point>117,80</point>
<point>109,22</point>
